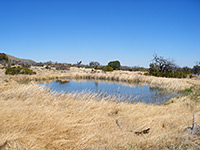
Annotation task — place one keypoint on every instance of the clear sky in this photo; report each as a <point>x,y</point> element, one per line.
<point>130,31</point>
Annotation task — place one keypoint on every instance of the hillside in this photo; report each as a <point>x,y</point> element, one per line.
<point>15,59</point>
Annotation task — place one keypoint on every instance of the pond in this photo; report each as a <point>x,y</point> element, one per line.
<point>128,92</point>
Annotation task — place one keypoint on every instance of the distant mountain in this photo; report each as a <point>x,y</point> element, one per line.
<point>15,59</point>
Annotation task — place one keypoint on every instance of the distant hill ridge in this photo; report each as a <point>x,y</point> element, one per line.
<point>15,59</point>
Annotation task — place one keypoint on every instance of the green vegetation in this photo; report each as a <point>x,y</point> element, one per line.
<point>196,69</point>
<point>115,65</point>
<point>168,74</point>
<point>188,91</point>
<point>195,95</point>
<point>47,67</point>
<point>3,57</point>
<point>19,70</point>
<point>26,65</point>
<point>161,67</point>
<point>135,68</point>
<point>107,68</point>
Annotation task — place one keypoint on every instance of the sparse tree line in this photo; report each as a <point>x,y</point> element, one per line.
<point>160,67</point>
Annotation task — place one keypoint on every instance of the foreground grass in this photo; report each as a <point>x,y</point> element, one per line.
<point>32,117</point>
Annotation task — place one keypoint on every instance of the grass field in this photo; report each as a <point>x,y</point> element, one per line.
<point>32,117</point>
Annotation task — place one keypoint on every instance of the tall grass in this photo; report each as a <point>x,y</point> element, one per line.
<point>32,117</point>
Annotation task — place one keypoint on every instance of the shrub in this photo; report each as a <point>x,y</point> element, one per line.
<point>47,67</point>
<point>62,67</point>
<point>26,65</point>
<point>39,64</point>
<point>107,68</point>
<point>27,71</point>
<point>19,70</point>
<point>126,68</point>
<point>191,76</point>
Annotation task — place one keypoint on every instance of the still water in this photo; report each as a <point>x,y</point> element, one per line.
<point>127,92</point>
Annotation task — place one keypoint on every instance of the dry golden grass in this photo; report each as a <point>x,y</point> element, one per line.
<point>120,76</point>
<point>32,117</point>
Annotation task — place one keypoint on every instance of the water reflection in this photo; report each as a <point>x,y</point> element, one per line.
<point>129,92</point>
<point>62,81</point>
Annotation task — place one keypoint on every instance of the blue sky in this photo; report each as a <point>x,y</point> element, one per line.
<point>130,31</point>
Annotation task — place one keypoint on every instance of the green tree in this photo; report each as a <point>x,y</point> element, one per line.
<point>196,69</point>
<point>115,65</point>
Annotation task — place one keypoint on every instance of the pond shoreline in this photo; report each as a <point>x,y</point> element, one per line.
<point>133,93</point>
<point>118,76</point>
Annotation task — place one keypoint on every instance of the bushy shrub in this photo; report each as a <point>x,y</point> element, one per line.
<point>191,76</point>
<point>19,70</point>
<point>27,71</point>
<point>48,67</point>
<point>107,68</point>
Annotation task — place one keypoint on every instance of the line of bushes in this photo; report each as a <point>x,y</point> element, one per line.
<point>19,70</point>
<point>169,74</point>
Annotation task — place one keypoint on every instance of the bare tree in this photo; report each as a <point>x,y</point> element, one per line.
<point>94,64</point>
<point>79,63</point>
<point>162,65</point>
